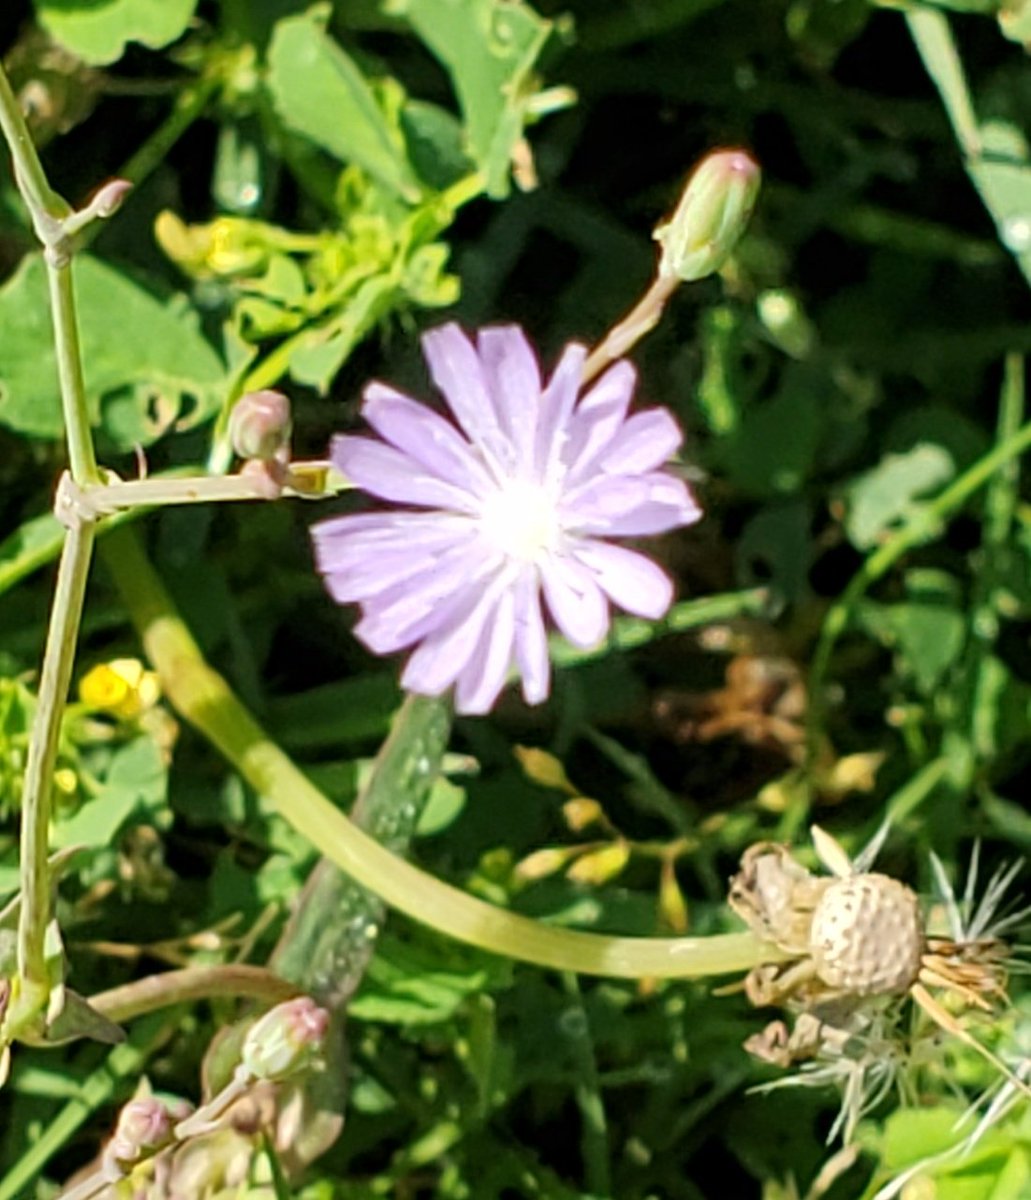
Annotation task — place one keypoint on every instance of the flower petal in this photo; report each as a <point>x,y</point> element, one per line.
<point>483,676</point>
<point>442,655</point>
<point>515,383</point>
<point>575,600</point>
<point>424,604</point>
<point>632,581</point>
<point>341,542</point>
<point>425,436</point>
<point>598,418</point>
<point>647,440</point>
<point>557,403</point>
<point>393,475</point>
<point>630,506</point>
<point>531,639</point>
<point>456,369</point>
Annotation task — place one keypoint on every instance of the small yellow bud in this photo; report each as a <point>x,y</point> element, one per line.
<point>672,906</point>
<point>600,866</point>
<point>66,782</point>
<point>542,863</point>
<point>581,812</point>
<point>543,768</point>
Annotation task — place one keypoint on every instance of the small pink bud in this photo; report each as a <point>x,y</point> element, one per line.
<point>285,1040</point>
<point>108,200</point>
<point>259,426</point>
<point>144,1127</point>
<point>711,216</point>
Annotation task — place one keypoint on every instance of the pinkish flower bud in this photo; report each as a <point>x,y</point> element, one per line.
<point>259,426</point>
<point>285,1040</point>
<point>108,200</point>
<point>711,216</point>
<point>144,1127</point>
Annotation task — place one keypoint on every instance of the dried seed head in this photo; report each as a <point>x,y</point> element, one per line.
<point>867,937</point>
<point>775,896</point>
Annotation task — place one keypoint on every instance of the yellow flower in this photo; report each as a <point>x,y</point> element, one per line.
<point>123,688</point>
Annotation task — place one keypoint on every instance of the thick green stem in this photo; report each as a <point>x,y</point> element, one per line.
<point>58,658</point>
<point>206,701</point>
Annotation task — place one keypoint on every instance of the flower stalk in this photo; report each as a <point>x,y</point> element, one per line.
<point>58,658</point>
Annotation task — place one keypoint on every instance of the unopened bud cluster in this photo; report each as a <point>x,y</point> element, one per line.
<point>144,1127</point>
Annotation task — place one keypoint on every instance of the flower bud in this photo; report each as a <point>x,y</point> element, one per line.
<point>600,866</point>
<point>581,813</point>
<point>108,200</point>
<point>144,1127</point>
<point>543,768</point>
<point>259,425</point>
<point>285,1040</point>
<point>712,214</point>
<point>542,863</point>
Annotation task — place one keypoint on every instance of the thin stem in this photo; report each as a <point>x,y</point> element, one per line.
<point>58,657</point>
<point>312,480</point>
<point>641,319</point>
<point>131,1000</point>
<point>81,457</point>
<point>28,171</point>
<point>594,1136</point>
<point>189,105</point>
<point>48,212</point>
<point>203,698</point>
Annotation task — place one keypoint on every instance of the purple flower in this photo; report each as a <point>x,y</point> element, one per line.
<point>508,507</point>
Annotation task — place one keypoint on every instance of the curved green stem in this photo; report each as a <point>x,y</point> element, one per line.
<point>120,1004</point>
<point>204,698</point>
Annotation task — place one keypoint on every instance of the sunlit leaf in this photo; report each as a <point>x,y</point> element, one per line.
<point>148,369</point>
<point>98,30</point>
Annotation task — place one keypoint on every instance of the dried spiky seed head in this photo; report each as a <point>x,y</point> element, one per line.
<point>867,937</point>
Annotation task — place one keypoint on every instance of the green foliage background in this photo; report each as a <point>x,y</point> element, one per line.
<point>317,184</point>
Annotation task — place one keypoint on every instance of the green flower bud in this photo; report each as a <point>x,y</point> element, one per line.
<point>285,1040</point>
<point>712,214</point>
<point>259,426</point>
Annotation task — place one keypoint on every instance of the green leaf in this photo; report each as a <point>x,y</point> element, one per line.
<point>147,366</point>
<point>97,30</point>
<point>774,447</point>
<point>137,780</point>
<point>32,545</point>
<point>1003,177</point>
<point>489,48</point>
<point>928,629</point>
<point>887,494</point>
<point>416,985</point>
<point>319,92</point>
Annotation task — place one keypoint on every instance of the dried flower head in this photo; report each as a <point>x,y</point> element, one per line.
<point>852,948</point>
<point>505,512</point>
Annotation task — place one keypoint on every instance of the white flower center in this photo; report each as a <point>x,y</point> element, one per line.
<point>521,520</point>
